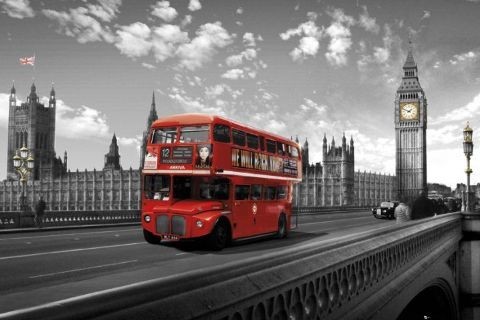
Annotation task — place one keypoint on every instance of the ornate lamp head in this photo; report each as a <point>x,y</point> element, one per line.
<point>467,140</point>
<point>17,161</point>
<point>24,152</point>
<point>30,162</point>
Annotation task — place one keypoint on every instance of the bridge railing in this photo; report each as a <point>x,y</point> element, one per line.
<point>320,279</point>
<point>9,220</point>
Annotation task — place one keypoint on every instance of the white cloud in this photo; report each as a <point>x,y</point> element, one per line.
<point>130,142</point>
<point>308,47</point>
<point>134,40</point>
<point>340,43</point>
<point>367,22</point>
<point>17,8</point>
<point>163,10</point>
<point>210,37</point>
<point>249,39</point>
<point>464,57</point>
<point>148,66</point>
<point>248,54</point>
<point>186,21</point>
<point>192,105</point>
<point>78,23</point>
<point>340,37</point>
<point>166,40</point>
<point>82,123</point>
<point>234,74</point>
<point>194,5</point>
<point>426,15</point>
<point>310,35</point>
<point>106,10</point>
<point>470,111</point>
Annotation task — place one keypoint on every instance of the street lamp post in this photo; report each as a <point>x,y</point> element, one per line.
<point>23,163</point>
<point>468,150</point>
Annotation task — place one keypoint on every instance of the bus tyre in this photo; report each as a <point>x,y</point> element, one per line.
<point>218,239</point>
<point>150,238</point>
<point>282,227</point>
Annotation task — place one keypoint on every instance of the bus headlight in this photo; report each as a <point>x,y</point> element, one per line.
<point>147,218</point>
<point>199,223</point>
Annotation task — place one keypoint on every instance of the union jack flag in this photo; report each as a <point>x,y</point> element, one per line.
<point>27,60</point>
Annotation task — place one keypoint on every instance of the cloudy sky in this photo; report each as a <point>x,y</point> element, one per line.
<point>297,68</point>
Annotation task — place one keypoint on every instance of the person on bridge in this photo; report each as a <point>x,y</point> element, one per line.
<point>402,211</point>
<point>422,207</point>
<point>39,211</point>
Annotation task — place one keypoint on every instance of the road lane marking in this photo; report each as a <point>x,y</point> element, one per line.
<point>336,220</point>
<point>68,251</point>
<point>68,234</point>
<point>181,253</point>
<point>82,269</point>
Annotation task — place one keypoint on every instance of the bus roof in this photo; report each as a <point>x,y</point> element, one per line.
<point>200,118</point>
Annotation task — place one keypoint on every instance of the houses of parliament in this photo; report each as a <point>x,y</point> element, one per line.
<point>32,124</point>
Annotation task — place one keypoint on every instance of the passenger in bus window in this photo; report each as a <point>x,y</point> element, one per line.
<point>203,158</point>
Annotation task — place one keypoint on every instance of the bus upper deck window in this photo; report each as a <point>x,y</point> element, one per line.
<point>221,133</point>
<point>238,137</point>
<point>194,134</point>
<point>164,135</point>
<point>252,141</point>
<point>271,146</point>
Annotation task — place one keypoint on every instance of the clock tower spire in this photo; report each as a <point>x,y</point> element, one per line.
<point>410,132</point>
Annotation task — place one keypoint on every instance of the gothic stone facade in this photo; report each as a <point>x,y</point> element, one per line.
<point>77,191</point>
<point>33,125</point>
<point>335,183</point>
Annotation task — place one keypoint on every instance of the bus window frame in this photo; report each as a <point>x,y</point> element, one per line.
<point>252,138</point>
<point>236,134</point>
<point>164,129</point>
<point>224,138</point>
<point>181,131</point>
<point>260,193</point>
<point>235,190</point>
<point>271,143</point>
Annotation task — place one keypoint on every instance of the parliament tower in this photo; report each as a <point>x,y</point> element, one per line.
<point>32,124</point>
<point>410,133</point>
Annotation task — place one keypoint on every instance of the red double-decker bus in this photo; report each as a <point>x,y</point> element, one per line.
<point>207,177</point>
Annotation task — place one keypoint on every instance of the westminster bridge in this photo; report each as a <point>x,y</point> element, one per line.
<point>411,270</point>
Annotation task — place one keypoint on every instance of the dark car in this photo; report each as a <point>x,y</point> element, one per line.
<point>385,210</point>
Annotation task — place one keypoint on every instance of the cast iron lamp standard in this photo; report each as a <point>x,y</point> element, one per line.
<point>23,162</point>
<point>468,150</point>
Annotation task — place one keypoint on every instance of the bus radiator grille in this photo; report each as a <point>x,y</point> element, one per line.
<point>162,224</point>
<point>178,225</point>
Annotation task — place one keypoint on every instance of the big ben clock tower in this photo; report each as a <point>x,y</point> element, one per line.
<point>410,133</point>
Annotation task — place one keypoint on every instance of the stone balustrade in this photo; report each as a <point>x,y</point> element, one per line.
<point>368,275</point>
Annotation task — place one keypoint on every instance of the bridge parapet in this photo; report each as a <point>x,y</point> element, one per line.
<point>370,275</point>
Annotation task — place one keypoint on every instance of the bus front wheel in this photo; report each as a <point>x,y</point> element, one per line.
<point>282,227</point>
<point>150,238</point>
<point>219,237</point>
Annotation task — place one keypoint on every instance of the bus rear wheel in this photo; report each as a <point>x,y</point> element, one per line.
<point>218,239</point>
<point>150,238</point>
<point>282,227</point>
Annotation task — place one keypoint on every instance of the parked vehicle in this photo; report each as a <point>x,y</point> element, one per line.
<point>386,209</point>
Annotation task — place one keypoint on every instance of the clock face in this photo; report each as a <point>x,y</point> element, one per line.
<point>409,111</point>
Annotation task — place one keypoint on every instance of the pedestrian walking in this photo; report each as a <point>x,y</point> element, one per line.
<point>422,207</point>
<point>402,212</point>
<point>39,211</point>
